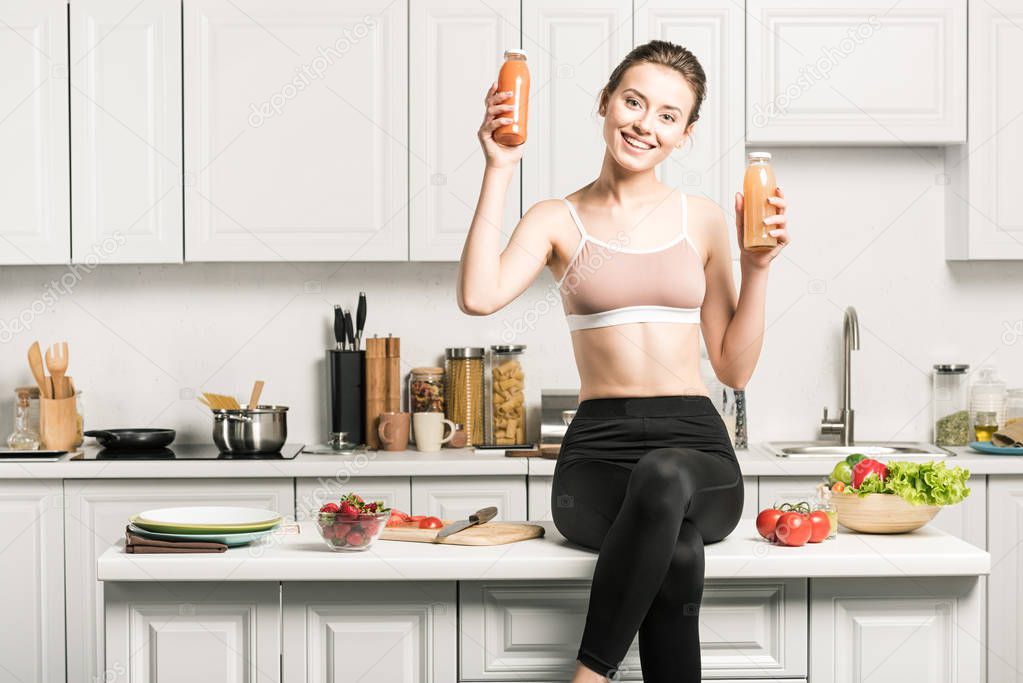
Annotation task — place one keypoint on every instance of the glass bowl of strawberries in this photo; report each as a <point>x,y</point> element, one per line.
<point>352,523</point>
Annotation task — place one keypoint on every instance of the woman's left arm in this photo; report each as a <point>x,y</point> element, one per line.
<point>734,330</point>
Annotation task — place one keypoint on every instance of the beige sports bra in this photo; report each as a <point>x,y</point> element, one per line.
<point>610,284</point>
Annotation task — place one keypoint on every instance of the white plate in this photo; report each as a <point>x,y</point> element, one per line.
<point>205,517</point>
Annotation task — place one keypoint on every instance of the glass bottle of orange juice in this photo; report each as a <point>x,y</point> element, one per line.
<point>757,186</point>
<point>514,77</point>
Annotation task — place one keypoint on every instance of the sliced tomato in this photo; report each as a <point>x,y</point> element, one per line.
<point>431,523</point>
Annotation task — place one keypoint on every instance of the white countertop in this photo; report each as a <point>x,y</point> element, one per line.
<point>755,462</point>
<point>305,557</point>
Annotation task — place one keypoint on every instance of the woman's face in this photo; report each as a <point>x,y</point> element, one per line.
<point>650,108</point>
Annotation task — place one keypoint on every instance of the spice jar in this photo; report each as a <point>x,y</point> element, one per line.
<point>25,436</point>
<point>985,424</point>
<point>987,395</point>
<point>951,417</point>
<point>506,405</point>
<point>824,502</point>
<point>463,390</point>
<point>1013,407</point>
<point>426,390</point>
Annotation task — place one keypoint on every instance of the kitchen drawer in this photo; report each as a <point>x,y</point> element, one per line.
<point>312,493</point>
<point>530,631</point>
<point>459,497</point>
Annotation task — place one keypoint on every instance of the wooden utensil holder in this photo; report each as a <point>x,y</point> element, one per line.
<point>58,423</point>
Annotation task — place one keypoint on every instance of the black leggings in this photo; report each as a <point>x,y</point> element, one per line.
<point>648,482</point>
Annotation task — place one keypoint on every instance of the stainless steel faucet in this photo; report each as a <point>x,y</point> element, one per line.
<point>850,340</point>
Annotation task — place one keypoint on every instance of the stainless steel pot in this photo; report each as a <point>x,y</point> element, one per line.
<point>250,431</point>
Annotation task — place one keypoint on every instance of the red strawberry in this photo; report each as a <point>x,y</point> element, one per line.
<point>371,526</point>
<point>355,538</point>
<point>329,507</point>
<point>341,529</point>
<point>328,532</point>
<point>371,507</point>
<point>348,510</point>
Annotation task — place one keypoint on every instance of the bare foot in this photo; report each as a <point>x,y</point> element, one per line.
<point>584,674</point>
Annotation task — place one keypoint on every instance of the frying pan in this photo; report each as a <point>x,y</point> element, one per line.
<point>121,439</point>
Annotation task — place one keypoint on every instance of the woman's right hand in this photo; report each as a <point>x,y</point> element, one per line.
<point>497,155</point>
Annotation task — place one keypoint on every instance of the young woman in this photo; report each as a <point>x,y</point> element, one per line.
<point>646,473</point>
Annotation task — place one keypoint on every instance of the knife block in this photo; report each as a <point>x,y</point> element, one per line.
<point>345,379</point>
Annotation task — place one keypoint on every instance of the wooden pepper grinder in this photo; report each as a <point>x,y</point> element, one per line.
<point>375,386</point>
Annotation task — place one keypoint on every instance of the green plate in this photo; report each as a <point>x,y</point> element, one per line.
<point>230,540</point>
<point>206,519</point>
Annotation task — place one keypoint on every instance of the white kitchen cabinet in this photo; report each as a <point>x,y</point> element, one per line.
<point>370,631</point>
<point>897,630</point>
<point>984,175</point>
<point>573,47</point>
<point>967,520</point>
<point>220,631</point>
<point>530,631</point>
<point>311,494</point>
<point>714,31</point>
<point>96,515</point>
<point>296,130</point>
<point>1005,584</point>
<point>126,131</point>
<point>539,497</point>
<point>34,175</point>
<point>459,497</point>
<point>856,74</point>
<point>32,590</point>
<point>456,49</point>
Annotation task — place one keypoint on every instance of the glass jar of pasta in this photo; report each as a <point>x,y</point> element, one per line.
<point>426,390</point>
<point>506,394</point>
<point>463,390</point>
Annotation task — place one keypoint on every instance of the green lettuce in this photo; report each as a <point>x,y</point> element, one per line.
<point>920,483</point>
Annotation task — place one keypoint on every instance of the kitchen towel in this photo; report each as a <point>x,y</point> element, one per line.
<point>1010,435</point>
<point>135,543</point>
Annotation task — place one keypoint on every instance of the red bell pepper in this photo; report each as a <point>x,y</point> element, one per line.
<point>865,468</point>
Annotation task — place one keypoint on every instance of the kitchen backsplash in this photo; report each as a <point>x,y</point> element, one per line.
<point>866,225</point>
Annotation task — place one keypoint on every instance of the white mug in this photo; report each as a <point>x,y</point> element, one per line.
<point>428,429</point>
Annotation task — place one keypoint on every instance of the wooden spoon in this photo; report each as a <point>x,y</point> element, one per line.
<point>56,363</point>
<point>257,389</point>
<point>35,361</point>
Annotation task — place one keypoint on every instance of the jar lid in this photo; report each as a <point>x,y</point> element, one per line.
<point>518,51</point>
<point>428,370</point>
<point>759,156</point>
<point>508,348</point>
<point>951,368</point>
<point>464,352</point>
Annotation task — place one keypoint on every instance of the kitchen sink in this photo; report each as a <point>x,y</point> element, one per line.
<point>829,449</point>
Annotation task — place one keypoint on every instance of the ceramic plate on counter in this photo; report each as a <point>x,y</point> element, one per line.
<point>230,540</point>
<point>206,519</point>
<point>991,449</point>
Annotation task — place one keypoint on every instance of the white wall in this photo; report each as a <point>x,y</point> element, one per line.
<point>867,231</point>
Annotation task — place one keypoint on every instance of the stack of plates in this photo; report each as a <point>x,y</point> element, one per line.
<point>232,526</point>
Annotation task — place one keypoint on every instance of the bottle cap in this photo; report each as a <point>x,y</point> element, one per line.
<point>765,156</point>
<point>515,51</point>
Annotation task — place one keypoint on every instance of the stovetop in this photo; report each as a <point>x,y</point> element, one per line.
<point>188,451</point>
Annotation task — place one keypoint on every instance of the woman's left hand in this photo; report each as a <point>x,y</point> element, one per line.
<point>760,258</point>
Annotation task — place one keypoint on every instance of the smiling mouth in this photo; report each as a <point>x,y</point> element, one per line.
<point>636,144</point>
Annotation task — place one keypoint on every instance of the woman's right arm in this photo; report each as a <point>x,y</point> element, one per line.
<point>488,278</point>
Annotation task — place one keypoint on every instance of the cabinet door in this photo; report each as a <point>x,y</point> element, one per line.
<point>34,176</point>
<point>311,494</point>
<point>296,140</point>
<point>32,590</point>
<point>459,497</point>
<point>228,632</point>
<point>455,53</point>
<point>713,31</point>
<point>898,629</point>
<point>854,73</point>
<point>370,631</point>
<point>981,220</point>
<point>126,131</point>
<point>1005,583</point>
<point>96,514</point>
<point>578,45</point>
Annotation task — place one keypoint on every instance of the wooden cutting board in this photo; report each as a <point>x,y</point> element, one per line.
<point>490,533</point>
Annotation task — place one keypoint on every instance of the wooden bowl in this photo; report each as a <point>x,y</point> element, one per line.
<point>881,513</point>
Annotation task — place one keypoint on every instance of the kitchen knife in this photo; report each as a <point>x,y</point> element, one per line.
<point>360,319</point>
<point>339,328</point>
<point>349,334</point>
<point>481,516</point>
